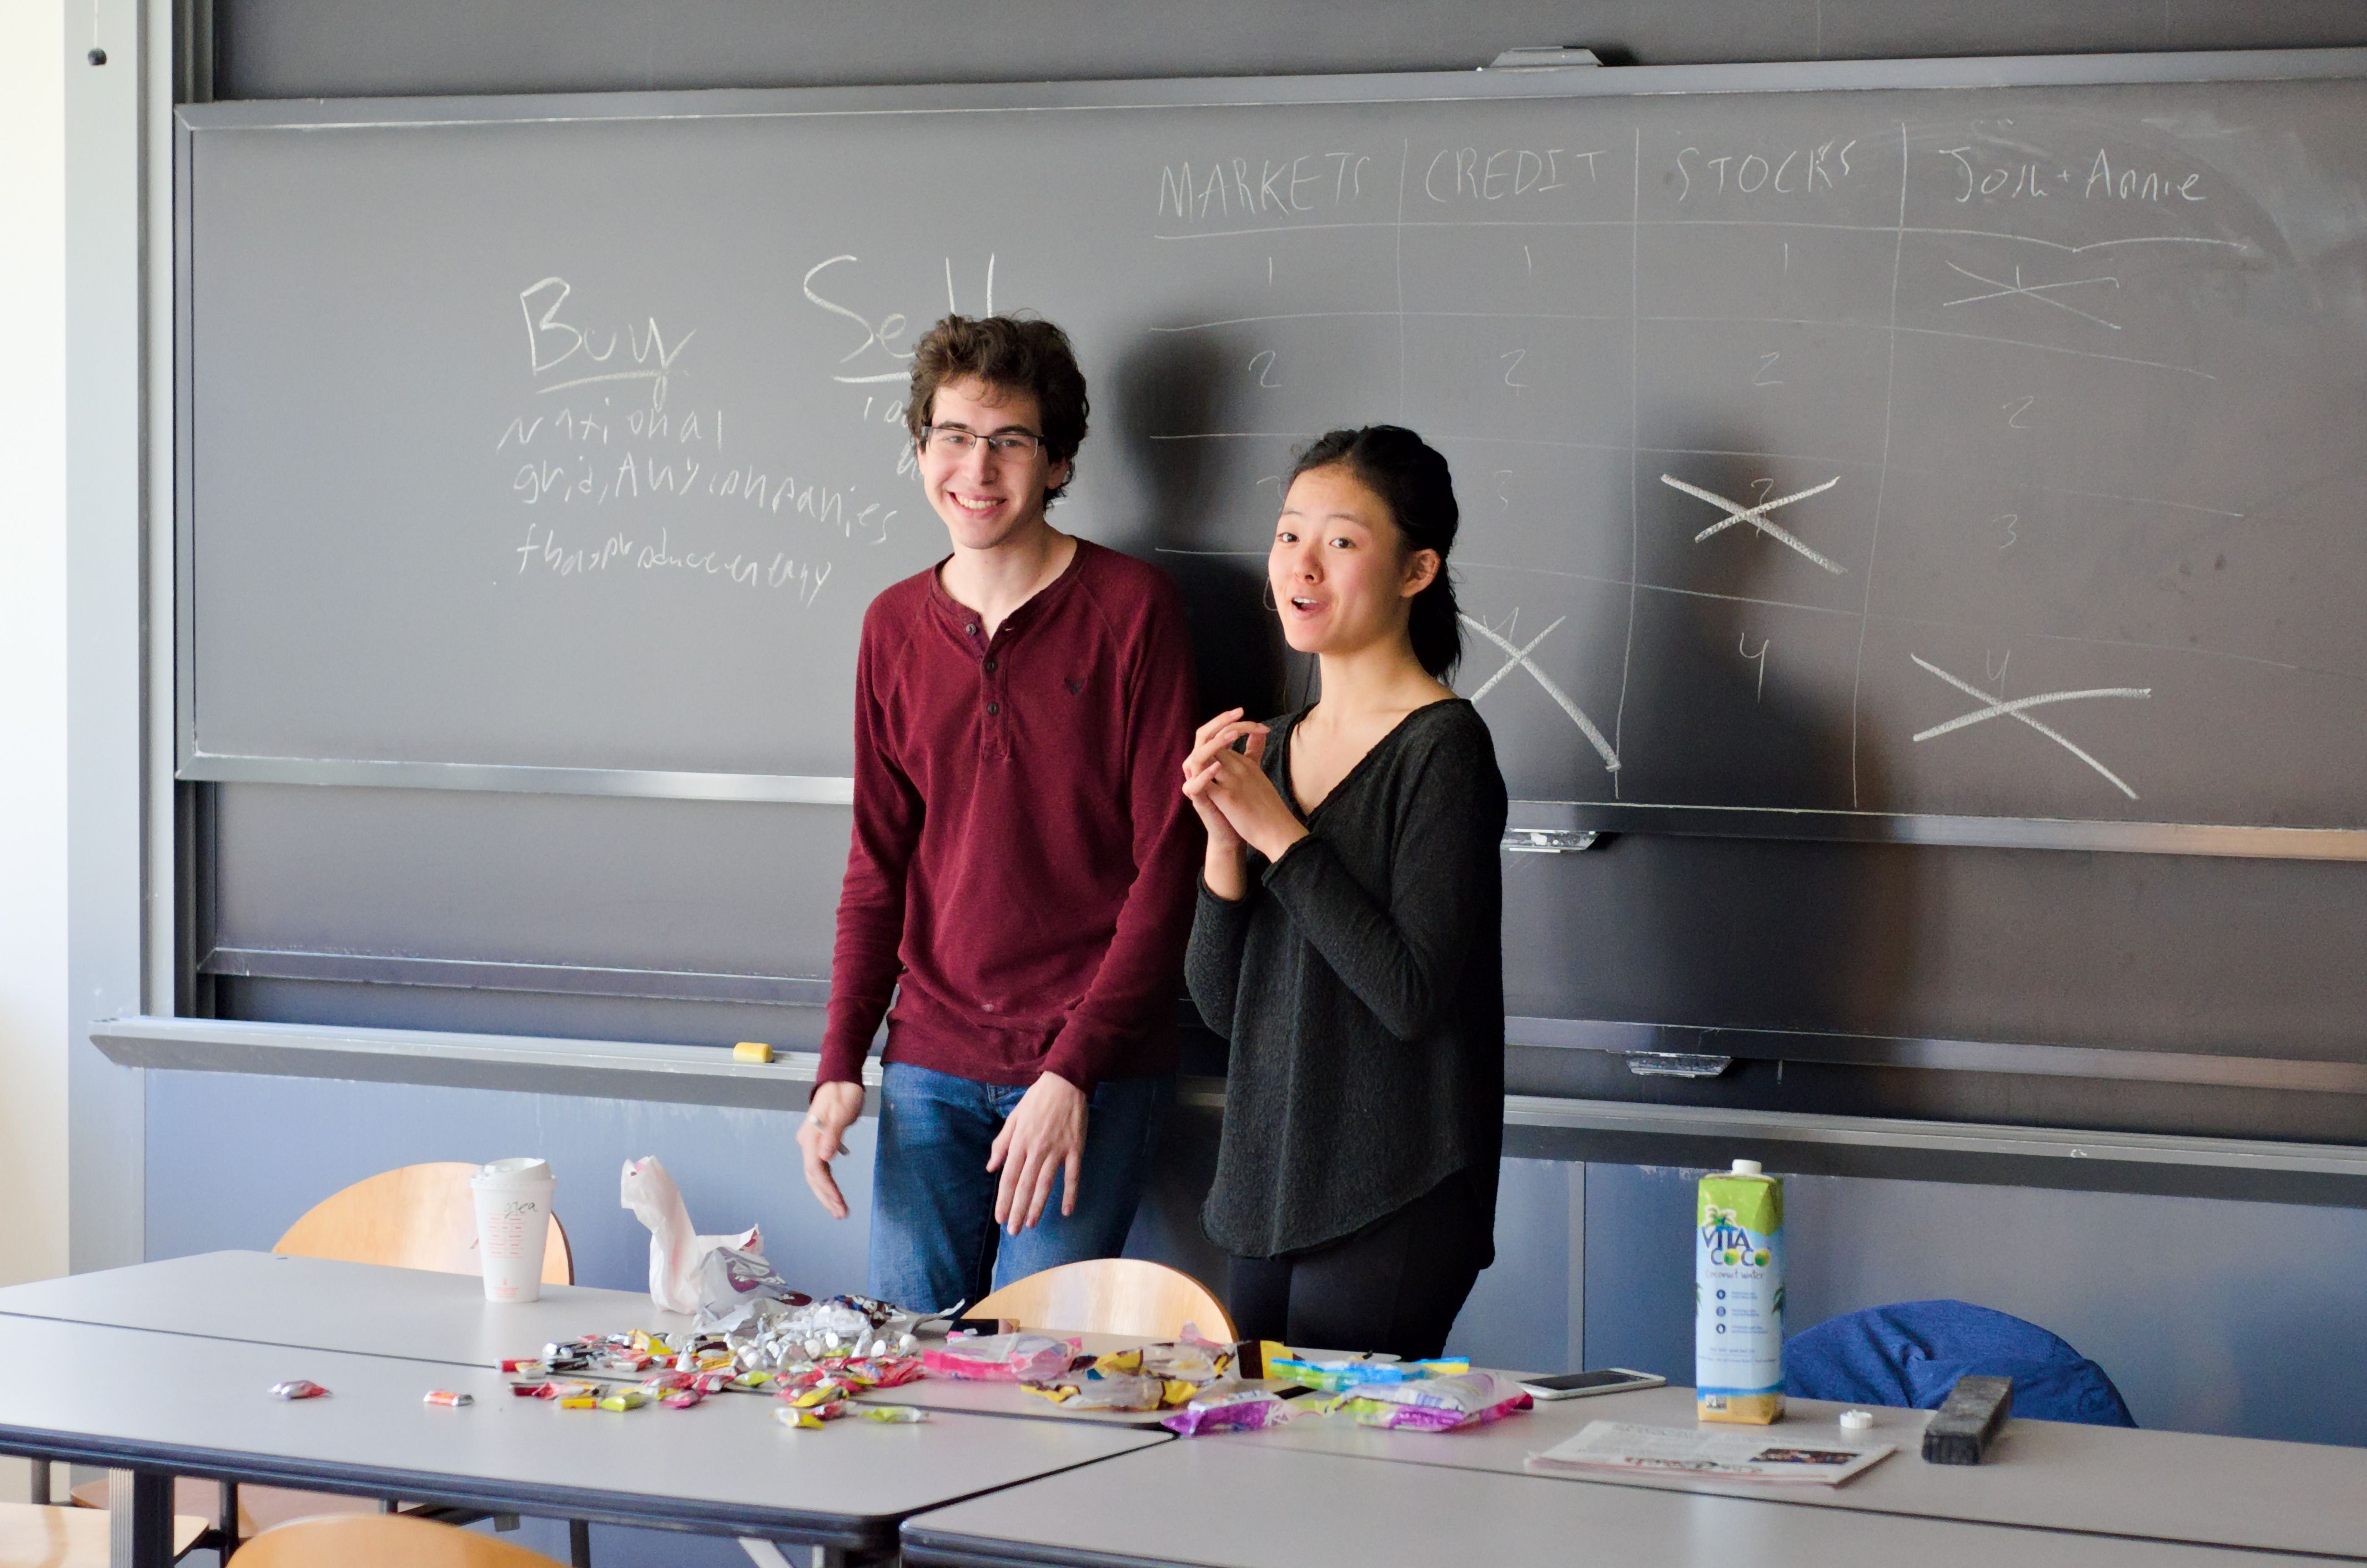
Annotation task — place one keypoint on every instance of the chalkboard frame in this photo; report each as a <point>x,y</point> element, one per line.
<point>196,120</point>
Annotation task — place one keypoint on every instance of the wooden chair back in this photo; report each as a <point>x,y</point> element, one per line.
<point>38,1535</point>
<point>1111,1295</point>
<point>415,1217</point>
<point>381,1541</point>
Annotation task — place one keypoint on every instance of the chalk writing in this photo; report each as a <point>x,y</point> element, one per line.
<point>1736,512</point>
<point>553,342</point>
<point>1465,174</point>
<point>2017,709</point>
<point>888,329</point>
<point>545,550</point>
<point>2037,293</point>
<point>1243,187</point>
<point>1520,660</point>
<point>1790,171</point>
<point>2130,184</point>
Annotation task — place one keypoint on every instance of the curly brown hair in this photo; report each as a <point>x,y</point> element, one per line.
<point>1017,354</point>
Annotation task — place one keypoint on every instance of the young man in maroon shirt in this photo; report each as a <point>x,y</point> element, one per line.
<point>1020,871</point>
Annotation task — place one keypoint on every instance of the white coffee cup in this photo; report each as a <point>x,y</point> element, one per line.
<point>512,1226</point>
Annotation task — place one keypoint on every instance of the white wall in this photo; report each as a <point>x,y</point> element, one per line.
<point>33,1000</point>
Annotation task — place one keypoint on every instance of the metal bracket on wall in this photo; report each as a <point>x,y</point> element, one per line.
<point>1548,840</point>
<point>2124,1063</point>
<point>1676,1065</point>
<point>1543,57</point>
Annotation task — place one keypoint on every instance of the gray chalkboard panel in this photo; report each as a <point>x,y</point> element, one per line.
<point>1983,453</point>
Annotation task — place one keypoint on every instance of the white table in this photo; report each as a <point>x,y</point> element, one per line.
<point>159,1403</point>
<point>365,1309</point>
<point>267,1299</point>
<point>1222,1502</point>
<point>2105,1480</point>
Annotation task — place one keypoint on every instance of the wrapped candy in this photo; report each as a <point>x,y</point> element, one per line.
<point>1335,1377</point>
<point>1242,1410</point>
<point>1122,1392</point>
<point>1434,1404</point>
<point>1001,1358</point>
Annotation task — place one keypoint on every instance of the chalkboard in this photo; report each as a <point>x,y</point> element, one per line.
<point>1984,452</point>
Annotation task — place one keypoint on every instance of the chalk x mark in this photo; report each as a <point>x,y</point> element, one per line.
<point>1736,512</point>
<point>2017,709</point>
<point>2001,290</point>
<point>1520,660</point>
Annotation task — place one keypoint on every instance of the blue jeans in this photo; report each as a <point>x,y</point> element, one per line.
<point>933,1239</point>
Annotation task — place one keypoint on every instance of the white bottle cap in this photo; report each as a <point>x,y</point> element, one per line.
<point>1857,1420</point>
<point>1746,1167</point>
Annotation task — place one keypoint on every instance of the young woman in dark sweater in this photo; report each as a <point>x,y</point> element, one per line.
<point>1348,940</point>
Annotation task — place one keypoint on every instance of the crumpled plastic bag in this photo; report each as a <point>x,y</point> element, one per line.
<point>677,1251</point>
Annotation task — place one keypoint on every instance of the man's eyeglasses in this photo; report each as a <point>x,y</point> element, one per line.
<point>955,440</point>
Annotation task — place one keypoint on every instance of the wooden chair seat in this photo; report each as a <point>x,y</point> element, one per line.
<point>381,1541</point>
<point>36,1535</point>
<point>1112,1295</point>
<point>259,1507</point>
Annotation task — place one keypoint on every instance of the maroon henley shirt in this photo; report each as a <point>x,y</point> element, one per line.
<point>1022,854</point>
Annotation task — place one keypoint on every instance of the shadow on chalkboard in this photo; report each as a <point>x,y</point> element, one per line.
<point>1210,520</point>
<point>1742,692</point>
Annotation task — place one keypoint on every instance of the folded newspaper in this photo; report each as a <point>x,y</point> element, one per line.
<point>1623,1447</point>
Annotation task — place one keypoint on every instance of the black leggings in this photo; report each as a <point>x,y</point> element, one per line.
<point>1393,1285</point>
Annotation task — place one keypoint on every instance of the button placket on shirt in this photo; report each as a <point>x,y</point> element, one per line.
<point>994,690</point>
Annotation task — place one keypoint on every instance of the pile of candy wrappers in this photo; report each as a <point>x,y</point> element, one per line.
<point>1188,1378</point>
<point>813,1357</point>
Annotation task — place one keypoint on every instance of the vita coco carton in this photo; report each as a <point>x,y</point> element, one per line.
<point>1738,1296</point>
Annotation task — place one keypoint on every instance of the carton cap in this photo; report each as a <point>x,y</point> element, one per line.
<point>1746,1167</point>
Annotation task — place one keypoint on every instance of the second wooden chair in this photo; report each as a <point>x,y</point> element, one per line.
<point>1112,1295</point>
<point>382,1540</point>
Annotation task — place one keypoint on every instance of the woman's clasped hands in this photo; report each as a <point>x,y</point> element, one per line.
<point>1238,804</point>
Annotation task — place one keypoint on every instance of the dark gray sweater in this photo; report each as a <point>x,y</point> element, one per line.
<point>1361,982</point>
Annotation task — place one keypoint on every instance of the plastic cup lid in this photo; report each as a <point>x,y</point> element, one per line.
<point>513,1173</point>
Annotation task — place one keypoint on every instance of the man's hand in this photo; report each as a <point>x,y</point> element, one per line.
<point>822,1138</point>
<point>1043,1137</point>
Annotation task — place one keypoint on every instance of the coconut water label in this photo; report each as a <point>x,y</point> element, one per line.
<point>1739,1298</point>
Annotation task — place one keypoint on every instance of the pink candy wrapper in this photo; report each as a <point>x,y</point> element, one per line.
<point>1001,1358</point>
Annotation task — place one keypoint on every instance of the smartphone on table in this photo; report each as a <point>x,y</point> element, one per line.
<point>1579,1385</point>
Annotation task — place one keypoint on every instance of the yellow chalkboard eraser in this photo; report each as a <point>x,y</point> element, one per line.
<point>751,1050</point>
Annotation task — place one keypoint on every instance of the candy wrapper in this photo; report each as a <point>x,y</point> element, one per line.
<point>1434,1404</point>
<point>1244,1410</point>
<point>809,1418</point>
<point>1336,1377</point>
<point>1152,1377</point>
<point>1122,1392</point>
<point>1001,1358</point>
<point>731,1280</point>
